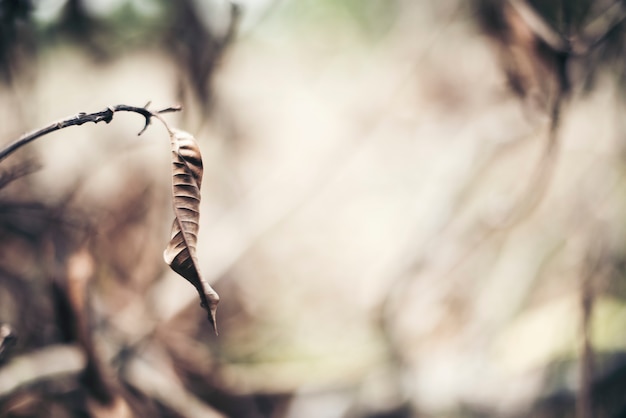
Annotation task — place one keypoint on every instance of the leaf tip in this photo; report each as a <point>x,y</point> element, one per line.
<point>213,320</point>
<point>212,311</point>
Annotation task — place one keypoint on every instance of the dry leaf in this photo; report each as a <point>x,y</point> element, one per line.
<point>180,253</point>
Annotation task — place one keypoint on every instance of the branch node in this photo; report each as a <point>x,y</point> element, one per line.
<point>108,117</point>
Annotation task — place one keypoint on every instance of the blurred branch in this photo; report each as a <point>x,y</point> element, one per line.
<point>593,34</point>
<point>539,26</point>
<point>21,170</point>
<point>197,50</point>
<point>7,339</point>
<point>532,196</point>
<point>599,29</point>
<point>43,364</point>
<point>592,267</point>
<point>89,32</point>
<point>70,299</point>
<point>157,378</point>
<point>233,25</point>
<point>105,115</point>
<point>541,176</point>
<point>17,44</point>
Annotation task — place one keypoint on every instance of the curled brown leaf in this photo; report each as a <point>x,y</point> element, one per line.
<point>180,253</point>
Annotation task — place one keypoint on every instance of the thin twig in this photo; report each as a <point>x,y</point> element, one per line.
<point>105,115</point>
<point>540,178</point>
<point>592,271</point>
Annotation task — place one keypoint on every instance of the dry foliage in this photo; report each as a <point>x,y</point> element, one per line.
<point>180,253</point>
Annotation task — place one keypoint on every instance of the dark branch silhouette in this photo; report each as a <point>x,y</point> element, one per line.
<point>105,115</point>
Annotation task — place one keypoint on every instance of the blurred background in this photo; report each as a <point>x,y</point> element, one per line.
<point>410,209</point>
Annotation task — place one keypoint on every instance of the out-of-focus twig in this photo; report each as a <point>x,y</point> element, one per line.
<point>600,28</point>
<point>43,364</point>
<point>539,182</point>
<point>592,268</point>
<point>579,44</point>
<point>7,339</point>
<point>539,26</point>
<point>20,170</point>
<point>157,379</point>
<point>197,49</point>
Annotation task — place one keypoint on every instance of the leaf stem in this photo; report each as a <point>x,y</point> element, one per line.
<point>105,115</point>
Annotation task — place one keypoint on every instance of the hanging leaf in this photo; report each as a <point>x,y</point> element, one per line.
<point>180,253</point>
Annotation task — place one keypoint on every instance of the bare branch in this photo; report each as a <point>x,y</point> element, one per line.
<point>105,115</point>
